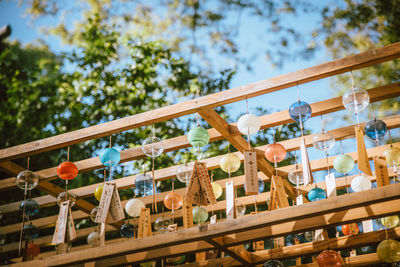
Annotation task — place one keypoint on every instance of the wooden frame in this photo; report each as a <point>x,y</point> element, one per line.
<point>224,235</point>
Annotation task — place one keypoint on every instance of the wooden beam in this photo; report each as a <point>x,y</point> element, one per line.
<point>339,243</point>
<point>216,121</point>
<point>375,202</point>
<point>238,253</point>
<point>324,70</point>
<point>309,248</point>
<point>360,260</point>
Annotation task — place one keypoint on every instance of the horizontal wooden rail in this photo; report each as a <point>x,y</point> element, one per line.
<point>324,70</point>
<point>304,249</point>
<point>269,120</point>
<point>360,260</point>
<point>342,209</point>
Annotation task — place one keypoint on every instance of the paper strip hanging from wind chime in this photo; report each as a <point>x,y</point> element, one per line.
<point>144,228</point>
<point>230,200</point>
<point>330,185</point>
<point>187,212</point>
<point>307,174</point>
<point>65,227</point>
<point>250,172</point>
<point>200,191</point>
<point>363,162</point>
<point>381,171</point>
<point>110,207</point>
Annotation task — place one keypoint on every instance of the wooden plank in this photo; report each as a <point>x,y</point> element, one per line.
<point>315,247</point>
<point>314,222</point>
<point>378,201</point>
<point>238,253</point>
<point>324,70</point>
<point>360,260</point>
<point>155,254</point>
<point>216,121</point>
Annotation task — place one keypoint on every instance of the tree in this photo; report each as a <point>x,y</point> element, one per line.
<point>190,27</point>
<point>357,27</point>
<point>109,74</point>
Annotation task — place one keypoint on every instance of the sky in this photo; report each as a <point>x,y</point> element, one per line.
<point>250,28</point>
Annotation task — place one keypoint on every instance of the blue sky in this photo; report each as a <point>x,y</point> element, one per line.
<point>250,28</point>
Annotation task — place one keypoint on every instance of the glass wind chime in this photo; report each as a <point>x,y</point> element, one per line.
<point>300,112</point>
<point>153,147</point>
<point>249,124</point>
<point>28,180</point>
<point>109,157</point>
<point>356,100</point>
<point>198,137</point>
<point>134,206</point>
<point>66,171</point>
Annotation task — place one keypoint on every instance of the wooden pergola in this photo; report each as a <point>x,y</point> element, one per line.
<point>224,235</point>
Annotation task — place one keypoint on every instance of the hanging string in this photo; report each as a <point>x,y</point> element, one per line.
<point>248,128</point>
<point>345,175</point>
<point>154,204</point>
<point>229,165</point>
<point>198,146</point>
<point>255,204</point>
<point>354,97</point>
<point>24,208</point>
<point>390,138</point>
<point>394,164</point>
<point>275,163</point>
<point>326,151</point>
<point>66,181</point>
<point>386,232</point>
<point>376,130</point>
<point>172,213</point>
<point>212,180</point>
<point>297,173</point>
<point>300,120</point>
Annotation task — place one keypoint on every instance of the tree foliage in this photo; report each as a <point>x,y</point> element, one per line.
<point>358,26</point>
